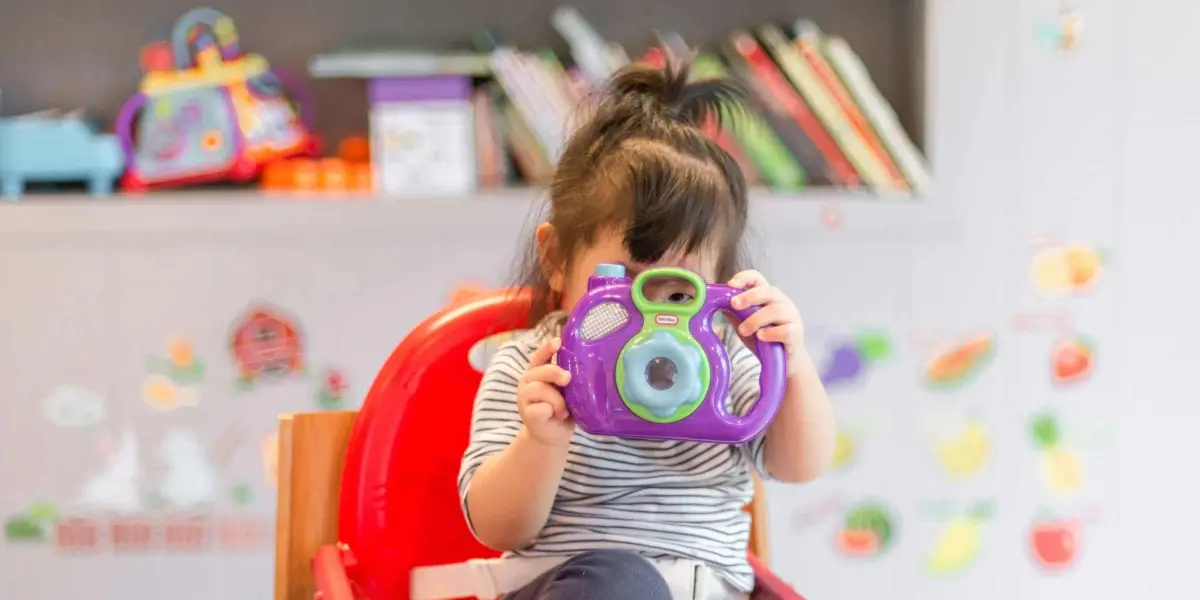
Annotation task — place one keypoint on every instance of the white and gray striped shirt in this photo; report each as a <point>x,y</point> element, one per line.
<point>662,499</point>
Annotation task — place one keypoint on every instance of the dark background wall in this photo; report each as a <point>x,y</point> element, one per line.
<point>84,53</point>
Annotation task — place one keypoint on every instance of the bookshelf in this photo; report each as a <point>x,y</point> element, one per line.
<point>232,214</point>
<point>890,36</point>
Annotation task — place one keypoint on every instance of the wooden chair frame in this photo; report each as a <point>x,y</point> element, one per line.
<point>312,451</point>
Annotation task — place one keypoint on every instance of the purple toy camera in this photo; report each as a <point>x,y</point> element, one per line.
<point>645,369</point>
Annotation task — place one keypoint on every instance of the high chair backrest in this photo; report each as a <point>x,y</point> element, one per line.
<point>399,505</point>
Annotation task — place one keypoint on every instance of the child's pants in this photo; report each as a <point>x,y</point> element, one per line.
<point>623,575</point>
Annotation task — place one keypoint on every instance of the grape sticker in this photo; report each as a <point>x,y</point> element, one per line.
<point>1060,468</point>
<point>959,542</point>
<point>868,529</point>
<point>74,407</point>
<point>952,367</point>
<point>1072,360</point>
<point>847,359</point>
<point>36,524</point>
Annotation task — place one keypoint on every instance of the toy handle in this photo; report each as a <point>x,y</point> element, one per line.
<point>213,20</point>
<point>774,366</point>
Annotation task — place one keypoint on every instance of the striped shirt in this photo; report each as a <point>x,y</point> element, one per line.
<point>661,499</point>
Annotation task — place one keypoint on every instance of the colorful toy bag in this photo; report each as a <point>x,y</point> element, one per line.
<point>205,111</point>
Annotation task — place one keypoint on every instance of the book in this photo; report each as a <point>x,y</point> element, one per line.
<point>779,168</point>
<point>823,161</point>
<point>808,39</point>
<point>382,63</point>
<point>492,163</point>
<point>713,128</point>
<point>853,73</point>
<point>830,114</point>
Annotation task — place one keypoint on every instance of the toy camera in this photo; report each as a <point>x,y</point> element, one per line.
<point>646,369</point>
<point>205,111</point>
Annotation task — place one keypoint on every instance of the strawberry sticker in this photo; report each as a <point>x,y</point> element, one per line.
<point>1072,360</point>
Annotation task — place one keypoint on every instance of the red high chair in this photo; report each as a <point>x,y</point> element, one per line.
<point>366,497</point>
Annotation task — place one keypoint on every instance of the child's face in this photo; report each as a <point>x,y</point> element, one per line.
<point>609,248</point>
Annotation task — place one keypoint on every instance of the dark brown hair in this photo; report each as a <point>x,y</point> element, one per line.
<point>642,164</point>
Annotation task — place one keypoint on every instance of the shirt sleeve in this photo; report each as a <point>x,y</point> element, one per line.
<point>745,370</point>
<point>495,421</point>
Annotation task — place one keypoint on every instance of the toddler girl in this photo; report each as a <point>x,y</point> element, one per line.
<point>584,517</point>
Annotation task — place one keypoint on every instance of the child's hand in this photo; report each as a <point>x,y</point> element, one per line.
<point>777,321</point>
<point>541,404</point>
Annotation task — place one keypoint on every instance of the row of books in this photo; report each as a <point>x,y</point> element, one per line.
<point>813,116</point>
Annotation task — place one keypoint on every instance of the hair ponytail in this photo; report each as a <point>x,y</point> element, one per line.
<point>669,94</point>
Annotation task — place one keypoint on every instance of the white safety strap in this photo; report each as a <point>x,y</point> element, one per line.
<point>488,579</point>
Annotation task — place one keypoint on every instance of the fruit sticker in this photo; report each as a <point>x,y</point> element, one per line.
<point>869,529</point>
<point>954,366</point>
<point>1072,360</point>
<point>843,449</point>
<point>964,453</point>
<point>36,524</point>
<point>266,342</point>
<point>959,542</point>
<point>1062,32</point>
<point>332,393</point>
<point>74,407</point>
<point>1054,543</point>
<point>180,365</point>
<point>1064,270</point>
<point>1060,468</point>
<point>848,359</point>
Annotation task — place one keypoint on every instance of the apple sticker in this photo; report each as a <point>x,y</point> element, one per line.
<point>1054,543</point>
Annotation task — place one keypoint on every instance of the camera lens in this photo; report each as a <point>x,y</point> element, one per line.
<point>660,373</point>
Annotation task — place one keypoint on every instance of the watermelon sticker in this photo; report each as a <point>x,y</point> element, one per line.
<point>952,367</point>
<point>868,529</point>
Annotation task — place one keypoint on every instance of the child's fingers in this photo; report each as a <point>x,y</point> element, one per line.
<point>771,314</point>
<point>548,374</point>
<point>747,279</point>
<point>538,412</point>
<point>780,334</point>
<point>543,401</point>
<point>757,296</point>
<point>542,355</point>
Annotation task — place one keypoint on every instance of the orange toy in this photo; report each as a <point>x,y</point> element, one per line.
<point>366,498</point>
<point>327,174</point>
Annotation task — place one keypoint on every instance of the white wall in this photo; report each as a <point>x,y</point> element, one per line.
<point>1091,146</point>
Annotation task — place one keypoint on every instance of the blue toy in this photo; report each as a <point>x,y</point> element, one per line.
<point>54,148</point>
